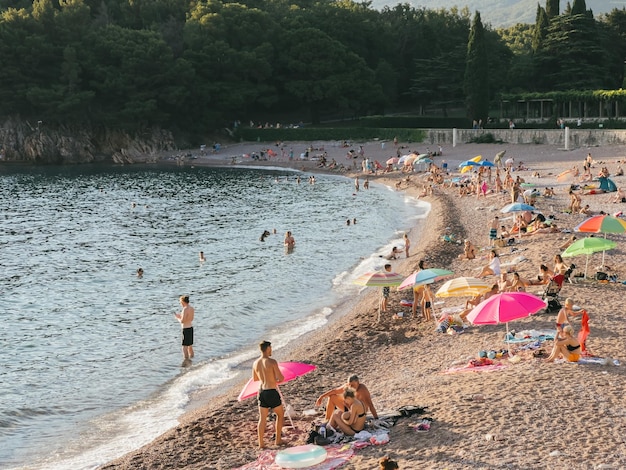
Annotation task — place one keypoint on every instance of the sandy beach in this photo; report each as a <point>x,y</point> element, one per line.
<point>526,414</point>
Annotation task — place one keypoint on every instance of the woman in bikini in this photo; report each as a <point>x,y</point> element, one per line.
<point>567,347</point>
<point>352,421</point>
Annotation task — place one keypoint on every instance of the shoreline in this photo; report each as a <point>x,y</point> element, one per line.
<point>401,360</point>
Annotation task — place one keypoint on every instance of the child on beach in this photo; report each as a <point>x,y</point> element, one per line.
<point>493,230</point>
<point>427,300</point>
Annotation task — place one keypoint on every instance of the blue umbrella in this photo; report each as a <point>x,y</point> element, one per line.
<point>423,160</point>
<point>486,163</point>
<point>424,276</point>
<point>517,207</point>
<point>469,163</point>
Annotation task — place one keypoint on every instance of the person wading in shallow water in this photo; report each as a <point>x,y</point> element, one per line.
<point>185,317</point>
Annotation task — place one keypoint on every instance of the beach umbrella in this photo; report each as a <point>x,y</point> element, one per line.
<point>379,279</point>
<point>290,371</point>
<point>410,159</point>
<point>468,163</point>
<point>517,207</point>
<point>467,168</point>
<point>424,276</point>
<point>425,161</point>
<point>588,246</point>
<point>505,307</point>
<point>602,224</point>
<point>463,287</point>
<point>486,163</point>
<point>392,161</point>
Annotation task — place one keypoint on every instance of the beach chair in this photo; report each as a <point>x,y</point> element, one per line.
<point>551,293</point>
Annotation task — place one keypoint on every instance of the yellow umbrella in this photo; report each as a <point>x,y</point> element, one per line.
<point>463,287</point>
<point>467,168</point>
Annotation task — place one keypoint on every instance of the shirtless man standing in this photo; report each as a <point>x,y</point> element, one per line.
<point>266,371</point>
<point>185,317</point>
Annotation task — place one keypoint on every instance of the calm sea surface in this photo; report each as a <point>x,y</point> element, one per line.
<point>90,363</point>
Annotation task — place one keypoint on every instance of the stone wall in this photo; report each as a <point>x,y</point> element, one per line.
<point>577,137</point>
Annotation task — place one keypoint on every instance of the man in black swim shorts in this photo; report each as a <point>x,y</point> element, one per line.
<point>185,317</point>
<point>265,370</point>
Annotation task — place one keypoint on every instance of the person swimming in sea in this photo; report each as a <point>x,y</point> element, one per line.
<point>264,235</point>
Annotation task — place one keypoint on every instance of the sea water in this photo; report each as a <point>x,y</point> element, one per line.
<point>90,359</point>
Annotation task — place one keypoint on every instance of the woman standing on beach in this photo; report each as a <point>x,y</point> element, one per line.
<point>407,245</point>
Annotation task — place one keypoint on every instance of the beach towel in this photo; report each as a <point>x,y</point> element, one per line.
<point>529,336</point>
<point>338,455</point>
<point>488,367</point>
<point>592,360</point>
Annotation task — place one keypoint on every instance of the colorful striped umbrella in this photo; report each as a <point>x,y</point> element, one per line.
<point>463,287</point>
<point>379,279</point>
<point>602,224</point>
<point>424,276</point>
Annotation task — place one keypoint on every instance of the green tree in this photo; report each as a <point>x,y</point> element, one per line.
<point>577,54</point>
<point>552,8</point>
<point>320,73</point>
<point>542,22</point>
<point>579,7</point>
<point>476,83</point>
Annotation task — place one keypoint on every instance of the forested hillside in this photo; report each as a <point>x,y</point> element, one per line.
<point>500,13</point>
<point>193,66</point>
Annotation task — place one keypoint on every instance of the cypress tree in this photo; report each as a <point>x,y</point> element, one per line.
<point>476,83</point>
<point>579,7</point>
<point>541,28</point>
<point>552,8</point>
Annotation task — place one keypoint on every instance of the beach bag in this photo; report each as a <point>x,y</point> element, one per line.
<point>600,276</point>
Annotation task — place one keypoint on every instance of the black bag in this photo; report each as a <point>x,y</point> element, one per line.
<point>600,276</point>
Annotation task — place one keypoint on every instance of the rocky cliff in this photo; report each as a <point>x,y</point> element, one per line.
<point>23,141</point>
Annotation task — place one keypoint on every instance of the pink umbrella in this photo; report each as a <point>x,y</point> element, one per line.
<point>505,307</point>
<point>290,370</point>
